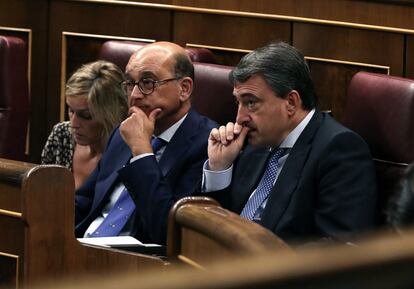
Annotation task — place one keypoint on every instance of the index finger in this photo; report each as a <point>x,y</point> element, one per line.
<point>134,109</point>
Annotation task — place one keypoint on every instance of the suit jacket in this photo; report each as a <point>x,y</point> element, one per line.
<point>153,186</point>
<point>327,187</point>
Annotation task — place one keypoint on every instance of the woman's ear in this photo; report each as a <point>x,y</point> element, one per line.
<point>186,88</point>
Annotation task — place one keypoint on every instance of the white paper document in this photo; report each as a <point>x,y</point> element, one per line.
<point>114,242</point>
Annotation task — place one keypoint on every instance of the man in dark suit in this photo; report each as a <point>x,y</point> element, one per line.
<point>156,155</point>
<point>303,175</point>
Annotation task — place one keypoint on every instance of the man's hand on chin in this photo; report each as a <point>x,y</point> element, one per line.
<point>137,129</point>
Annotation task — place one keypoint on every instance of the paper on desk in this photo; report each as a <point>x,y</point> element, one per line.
<point>114,242</point>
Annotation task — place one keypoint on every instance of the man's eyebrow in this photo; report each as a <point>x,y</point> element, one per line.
<point>147,74</point>
<point>248,95</point>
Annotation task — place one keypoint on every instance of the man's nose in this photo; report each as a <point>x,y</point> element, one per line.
<point>242,115</point>
<point>136,92</point>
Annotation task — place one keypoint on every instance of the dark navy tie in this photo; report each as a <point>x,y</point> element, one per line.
<point>265,185</point>
<point>124,207</point>
<point>157,143</point>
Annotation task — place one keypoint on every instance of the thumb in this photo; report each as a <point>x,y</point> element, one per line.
<point>153,114</point>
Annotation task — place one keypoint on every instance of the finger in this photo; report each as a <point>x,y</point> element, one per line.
<point>237,128</point>
<point>127,121</point>
<point>223,135</point>
<point>133,109</point>
<point>125,126</point>
<point>215,135</point>
<point>229,131</point>
<point>153,114</point>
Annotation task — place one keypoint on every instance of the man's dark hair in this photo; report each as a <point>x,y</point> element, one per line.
<point>284,69</point>
<point>183,66</point>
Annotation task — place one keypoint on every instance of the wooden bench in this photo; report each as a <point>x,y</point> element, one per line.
<point>200,232</point>
<point>37,224</point>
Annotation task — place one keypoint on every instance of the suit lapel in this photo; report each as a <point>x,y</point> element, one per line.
<point>289,177</point>
<point>110,169</point>
<point>180,142</point>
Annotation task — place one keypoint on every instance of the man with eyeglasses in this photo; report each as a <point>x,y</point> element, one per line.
<point>156,155</point>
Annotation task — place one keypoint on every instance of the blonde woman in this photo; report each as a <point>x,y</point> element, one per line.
<point>96,105</point>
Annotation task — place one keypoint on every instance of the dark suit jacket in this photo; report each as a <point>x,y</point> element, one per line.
<point>153,186</point>
<point>326,188</point>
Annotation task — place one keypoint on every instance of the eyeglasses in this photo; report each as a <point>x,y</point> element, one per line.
<point>145,85</point>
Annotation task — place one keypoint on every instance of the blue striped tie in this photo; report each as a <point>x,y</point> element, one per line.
<point>123,208</point>
<point>265,185</point>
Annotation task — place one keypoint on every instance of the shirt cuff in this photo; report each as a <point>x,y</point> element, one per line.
<point>140,157</point>
<point>215,180</point>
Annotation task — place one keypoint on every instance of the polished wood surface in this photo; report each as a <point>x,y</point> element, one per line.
<point>354,11</point>
<point>382,261</point>
<point>225,31</point>
<point>38,229</point>
<point>201,232</point>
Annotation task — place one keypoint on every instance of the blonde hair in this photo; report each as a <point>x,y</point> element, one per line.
<point>99,83</point>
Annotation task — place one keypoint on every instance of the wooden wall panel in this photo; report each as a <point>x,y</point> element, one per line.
<point>228,31</point>
<point>80,50</point>
<point>20,14</point>
<point>356,11</point>
<point>357,45</point>
<point>9,268</point>
<point>331,82</point>
<point>96,19</point>
<point>343,52</point>
<point>409,69</point>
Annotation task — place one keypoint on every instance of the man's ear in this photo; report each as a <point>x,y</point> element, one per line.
<point>294,102</point>
<point>186,88</point>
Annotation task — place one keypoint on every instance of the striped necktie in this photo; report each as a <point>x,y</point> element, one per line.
<point>265,185</point>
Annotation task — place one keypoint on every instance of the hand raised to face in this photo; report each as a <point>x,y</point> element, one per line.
<point>138,129</point>
<point>224,144</point>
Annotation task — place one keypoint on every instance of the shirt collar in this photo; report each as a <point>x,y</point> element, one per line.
<point>293,136</point>
<point>169,132</point>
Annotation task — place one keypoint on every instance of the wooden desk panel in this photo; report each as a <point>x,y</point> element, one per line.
<point>42,238</point>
